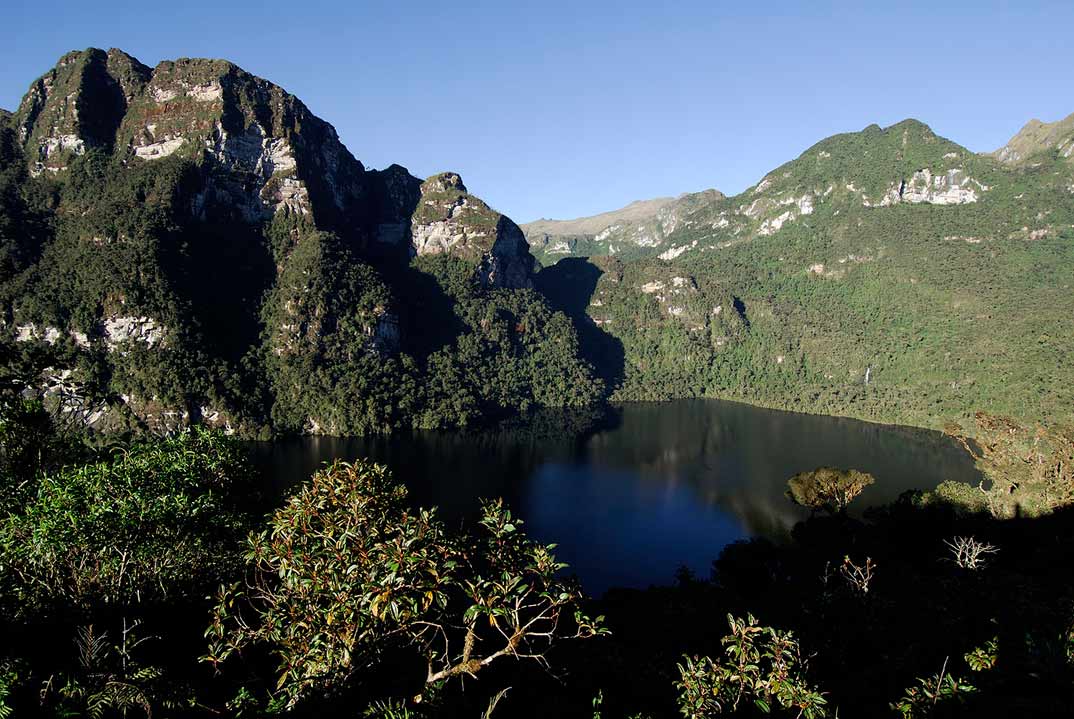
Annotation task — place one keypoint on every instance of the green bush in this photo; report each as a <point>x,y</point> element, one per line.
<point>153,522</point>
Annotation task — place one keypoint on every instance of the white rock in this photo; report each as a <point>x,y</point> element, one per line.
<point>206,93</point>
<point>160,149</point>
<point>773,224</point>
<point>132,329</point>
<point>606,233</point>
<point>674,252</point>
<point>435,237</point>
<point>60,143</point>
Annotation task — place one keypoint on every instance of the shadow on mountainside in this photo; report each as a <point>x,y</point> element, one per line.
<point>569,286</point>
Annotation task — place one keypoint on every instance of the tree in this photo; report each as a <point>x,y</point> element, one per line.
<point>345,570</point>
<point>827,488</point>
<point>762,666</point>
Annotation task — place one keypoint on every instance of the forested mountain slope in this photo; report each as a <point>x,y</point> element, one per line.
<point>188,243</point>
<point>888,274</point>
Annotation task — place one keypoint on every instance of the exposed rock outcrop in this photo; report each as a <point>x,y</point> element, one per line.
<point>953,187</point>
<point>262,153</point>
<point>241,205</point>
<point>450,220</point>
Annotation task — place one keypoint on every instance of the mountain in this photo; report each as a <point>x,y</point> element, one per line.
<point>189,243</point>
<point>1039,138</point>
<point>639,228</point>
<point>888,274</point>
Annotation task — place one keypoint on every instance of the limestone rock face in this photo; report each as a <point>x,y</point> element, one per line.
<point>245,226</point>
<point>953,187</point>
<point>262,150</point>
<point>79,104</point>
<point>262,153</point>
<point>448,219</point>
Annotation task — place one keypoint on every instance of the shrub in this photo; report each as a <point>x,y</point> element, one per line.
<point>345,570</point>
<point>152,522</point>
<point>1030,470</point>
<point>762,666</point>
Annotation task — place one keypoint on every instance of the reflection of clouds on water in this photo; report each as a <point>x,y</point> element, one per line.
<point>633,494</point>
<point>740,457</point>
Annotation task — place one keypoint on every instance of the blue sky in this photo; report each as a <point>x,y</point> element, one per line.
<point>560,109</point>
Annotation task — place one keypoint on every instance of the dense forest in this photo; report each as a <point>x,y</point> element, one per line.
<point>816,291</point>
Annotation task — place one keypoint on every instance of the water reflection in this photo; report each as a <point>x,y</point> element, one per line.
<point>632,494</point>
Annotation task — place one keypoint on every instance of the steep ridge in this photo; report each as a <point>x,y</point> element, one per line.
<point>1037,138</point>
<point>189,243</point>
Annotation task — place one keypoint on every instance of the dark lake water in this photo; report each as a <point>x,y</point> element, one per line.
<point>633,493</point>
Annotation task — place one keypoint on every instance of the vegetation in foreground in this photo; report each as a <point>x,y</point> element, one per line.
<point>141,581</point>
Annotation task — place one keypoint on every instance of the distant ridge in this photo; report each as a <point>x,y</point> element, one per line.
<point>1037,137</point>
<point>636,227</point>
<point>634,212</point>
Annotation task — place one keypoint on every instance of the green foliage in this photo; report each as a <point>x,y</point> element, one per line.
<point>935,696</point>
<point>1030,470</point>
<point>155,521</point>
<point>346,356</point>
<point>346,570</point>
<point>983,657</point>
<point>111,680</point>
<point>28,444</point>
<point>827,488</point>
<point>281,324</point>
<point>10,678</point>
<point>762,666</point>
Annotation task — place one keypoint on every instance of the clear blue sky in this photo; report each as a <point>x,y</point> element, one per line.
<point>561,109</point>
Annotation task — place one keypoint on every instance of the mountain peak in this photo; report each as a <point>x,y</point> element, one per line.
<point>444,182</point>
<point>1037,137</point>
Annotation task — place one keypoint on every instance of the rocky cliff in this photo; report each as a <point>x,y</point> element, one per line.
<point>193,215</point>
<point>261,151</point>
